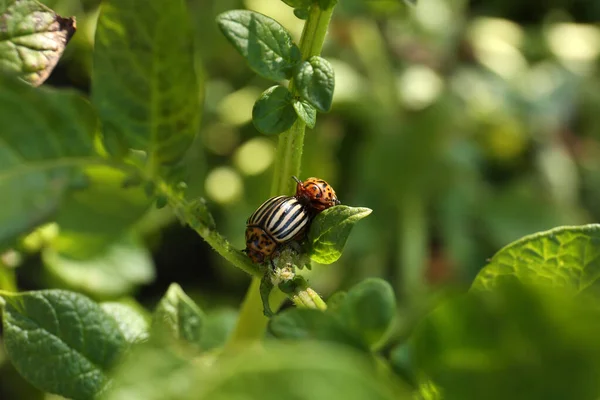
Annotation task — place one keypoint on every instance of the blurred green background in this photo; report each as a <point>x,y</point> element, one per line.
<point>463,125</point>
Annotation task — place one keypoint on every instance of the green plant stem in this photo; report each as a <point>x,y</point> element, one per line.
<point>412,247</point>
<point>288,157</point>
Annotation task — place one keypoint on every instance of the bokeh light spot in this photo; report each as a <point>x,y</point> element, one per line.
<point>223,185</point>
<point>254,156</point>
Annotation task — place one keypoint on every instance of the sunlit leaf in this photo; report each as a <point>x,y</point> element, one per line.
<point>32,39</point>
<point>330,230</point>
<point>267,46</point>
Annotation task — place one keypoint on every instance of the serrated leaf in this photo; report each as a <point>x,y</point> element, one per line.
<point>565,257</point>
<point>315,81</point>
<point>144,83</point>
<point>369,309</point>
<point>32,39</point>
<point>46,137</point>
<point>178,316</point>
<point>61,342</point>
<point>306,112</point>
<point>506,343</point>
<point>330,230</point>
<point>131,323</point>
<point>267,46</point>
<point>307,324</point>
<point>114,272</point>
<point>273,112</point>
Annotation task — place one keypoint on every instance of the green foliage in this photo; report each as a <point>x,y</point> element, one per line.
<point>369,308</point>
<point>144,84</point>
<point>511,342</point>
<point>315,81</point>
<point>114,272</point>
<point>60,341</point>
<point>265,44</point>
<point>133,325</point>
<point>359,318</point>
<point>178,316</point>
<point>47,136</point>
<point>330,230</point>
<point>273,112</point>
<point>32,39</point>
<point>565,258</point>
<point>306,112</point>
<point>302,371</point>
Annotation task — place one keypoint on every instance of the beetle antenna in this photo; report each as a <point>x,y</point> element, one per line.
<point>296,179</point>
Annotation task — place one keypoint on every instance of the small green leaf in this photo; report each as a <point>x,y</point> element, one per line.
<point>565,257</point>
<point>144,82</point>
<point>132,324</point>
<point>116,271</point>
<point>330,230</point>
<point>178,316</point>
<point>306,112</point>
<point>298,3</point>
<point>369,309</point>
<point>267,46</point>
<point>32,39</point>
<point>273,112</point>
<point>315,80</point>
<point>308,324</point>
<point>301,13</point>
<point>61,342</point>
<point>46,137</point>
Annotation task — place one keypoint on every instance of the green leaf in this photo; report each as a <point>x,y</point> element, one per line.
<point>270,372</point>
<point>369,309</point>
<point>116,271</point>
<point>306,112</point>
<point>308,324</point>
<point>131,323</point>
<point>513,342</point>
<point>46,136</point>
<point>330,230</point>
<point>315,80</point>
<point>178,316</point>
<point>61,342</point>
<point>218,325</point>
<point>93,218</point>
<point>273,112</point>
<point>144,83</point>
<point>565,257</point>
<point>32,39</point>
<point>267,46</point>
<point>152,371</point>
<point>266,286</point>
<point>301,13</point>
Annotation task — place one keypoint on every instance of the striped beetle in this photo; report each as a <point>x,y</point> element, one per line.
<point>277,221</point>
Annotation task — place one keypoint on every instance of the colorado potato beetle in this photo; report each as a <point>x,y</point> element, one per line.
<point>277,221</point>
<point>315,194</point>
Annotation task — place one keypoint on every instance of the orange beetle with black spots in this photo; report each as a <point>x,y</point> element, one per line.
<point>316,194</point>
